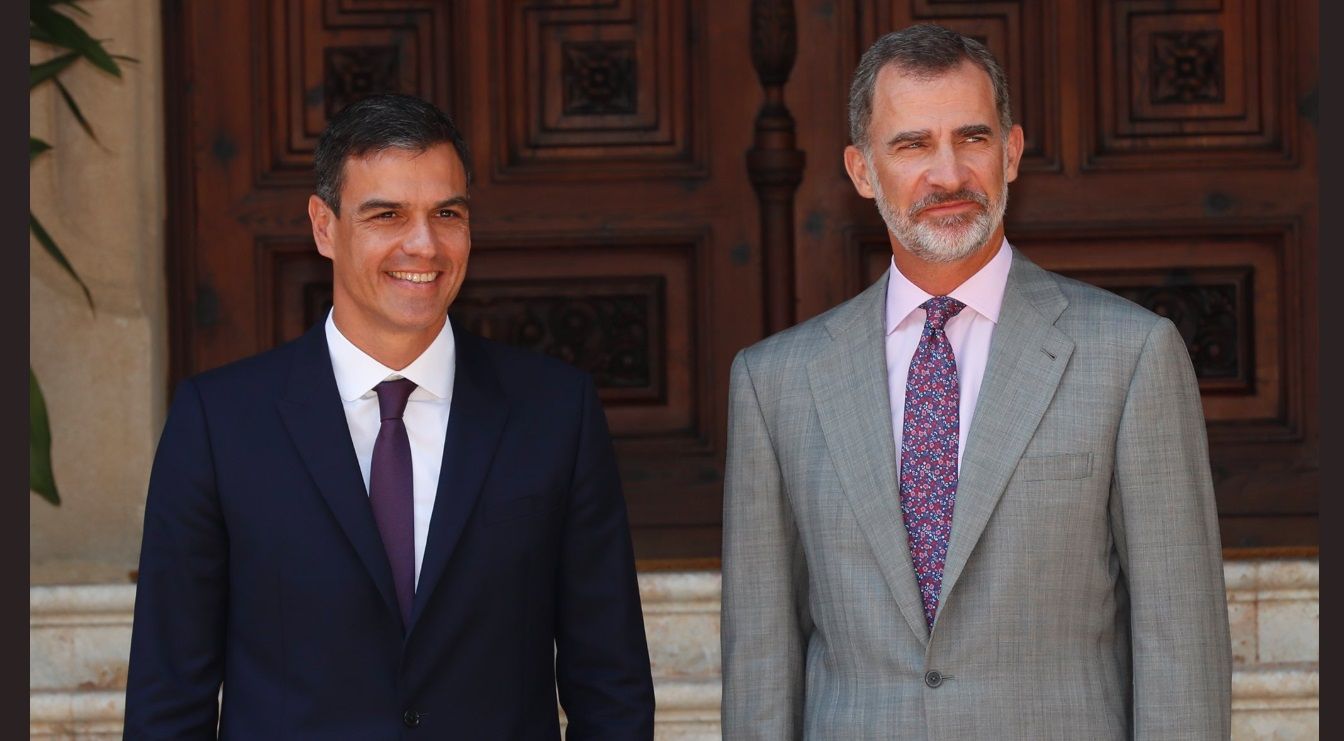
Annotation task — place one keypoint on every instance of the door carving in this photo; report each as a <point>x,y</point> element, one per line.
<point>659,184</point>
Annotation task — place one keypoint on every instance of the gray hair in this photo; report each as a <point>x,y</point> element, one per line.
<point>926,51</point>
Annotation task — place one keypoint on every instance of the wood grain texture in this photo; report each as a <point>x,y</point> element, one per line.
<point>1170,156</point>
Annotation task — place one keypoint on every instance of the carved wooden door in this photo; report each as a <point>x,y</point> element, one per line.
<point>660,184</point>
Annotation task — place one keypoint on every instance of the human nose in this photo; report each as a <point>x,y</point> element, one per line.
<point>946,170</point>
<point>420,239</point>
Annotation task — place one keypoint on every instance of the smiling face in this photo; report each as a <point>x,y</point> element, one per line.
<point>937,163</point>
<point>398,248</point>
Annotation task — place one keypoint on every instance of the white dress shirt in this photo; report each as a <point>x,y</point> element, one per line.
<point>968,332</point>
<point>426,415</point>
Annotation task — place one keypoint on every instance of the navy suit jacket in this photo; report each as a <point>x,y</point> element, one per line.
<point>262,568</point>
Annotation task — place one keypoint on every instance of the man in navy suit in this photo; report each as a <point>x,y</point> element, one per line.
<point>388,528</point>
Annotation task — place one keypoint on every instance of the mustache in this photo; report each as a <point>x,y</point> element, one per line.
<point>937,199</point>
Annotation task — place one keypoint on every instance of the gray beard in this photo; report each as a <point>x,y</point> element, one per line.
<point>946,239</point>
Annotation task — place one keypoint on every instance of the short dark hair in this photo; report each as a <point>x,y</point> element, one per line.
<point>376,123</point>
<point>924,50</point>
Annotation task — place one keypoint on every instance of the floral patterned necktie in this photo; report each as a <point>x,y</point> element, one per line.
<point>929,439</point>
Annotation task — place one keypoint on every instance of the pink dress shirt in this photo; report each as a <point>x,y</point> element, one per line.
<point>968,332</point>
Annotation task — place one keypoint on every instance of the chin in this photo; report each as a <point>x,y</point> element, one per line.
<point>419,321</point>
<point>937,245</point>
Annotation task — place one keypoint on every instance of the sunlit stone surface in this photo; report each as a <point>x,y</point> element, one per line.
<point>80,636</point>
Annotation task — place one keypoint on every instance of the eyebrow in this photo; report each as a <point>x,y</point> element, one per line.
<point>973,130</point>
<point>961,132</point>
<point>378,204</point>
<point>454,201</point>
<point>906,137</point>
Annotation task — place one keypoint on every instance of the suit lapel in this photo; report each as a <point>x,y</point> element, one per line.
<point>849,387</point>
<point>315,418</point>
<point>475,423</point>
<point>1027,358</point>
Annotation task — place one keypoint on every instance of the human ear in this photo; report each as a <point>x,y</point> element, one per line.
<point>319,213</point>
<point>1013,153</point>
<point>856,164</point>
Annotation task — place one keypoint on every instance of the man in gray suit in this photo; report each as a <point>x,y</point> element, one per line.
<point>974,501</point>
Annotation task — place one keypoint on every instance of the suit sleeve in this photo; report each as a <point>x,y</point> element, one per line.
<point>765,622</point>
<point>602,658</point>
<point>1165,525</point>
<point>177,642</point>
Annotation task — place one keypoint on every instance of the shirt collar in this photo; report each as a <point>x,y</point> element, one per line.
<point>357,373</point>
<point>982,292</point>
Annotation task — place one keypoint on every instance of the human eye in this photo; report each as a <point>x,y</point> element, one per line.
<point>977,135</point>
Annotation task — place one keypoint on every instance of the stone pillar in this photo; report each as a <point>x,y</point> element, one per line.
<point>103,371</point>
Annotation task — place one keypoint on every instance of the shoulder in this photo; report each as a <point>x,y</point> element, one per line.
<point>1096,314</point>
<point>256,376</point>
<point>1089,313</point>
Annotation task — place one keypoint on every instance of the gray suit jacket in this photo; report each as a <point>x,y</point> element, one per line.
<point>1083,593</point>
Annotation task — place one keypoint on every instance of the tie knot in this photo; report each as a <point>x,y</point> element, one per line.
<point>392,396</point>
<point>940,309</point>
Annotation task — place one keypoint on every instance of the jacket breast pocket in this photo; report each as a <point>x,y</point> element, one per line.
<point>506,510</point>
<point>1055,467</point>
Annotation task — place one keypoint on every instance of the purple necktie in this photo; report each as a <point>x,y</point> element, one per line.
<point>929,437</point>
<point>391,491</point>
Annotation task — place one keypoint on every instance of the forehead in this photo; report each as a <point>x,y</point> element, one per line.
<point>960,96</point>
<point>392,169</point>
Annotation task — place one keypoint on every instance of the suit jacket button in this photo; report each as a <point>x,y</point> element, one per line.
<point>411,719</point>
<point>933,679</point>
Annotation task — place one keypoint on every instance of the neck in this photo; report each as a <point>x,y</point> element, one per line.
<point>396,350</point>
<point>941,278</point>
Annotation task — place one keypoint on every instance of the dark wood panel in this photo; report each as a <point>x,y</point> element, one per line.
<point>597,89</point>
<point>1178,80</point>
<point>320,55</point>
<point>636,159</point>
<point>1270,536</point>
<point>674,403</point>
<point>613,328</point>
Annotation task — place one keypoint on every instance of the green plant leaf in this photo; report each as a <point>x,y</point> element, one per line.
<point>74,5</point>
<point>40,477</point>
<point>48,25</point>
<point>74,110</point>
<point>35,147</point>
<point>47,242</point>
<point>40,73</point>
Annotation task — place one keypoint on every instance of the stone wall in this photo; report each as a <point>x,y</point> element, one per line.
<point>103,371</point>
<point>80,637</point>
